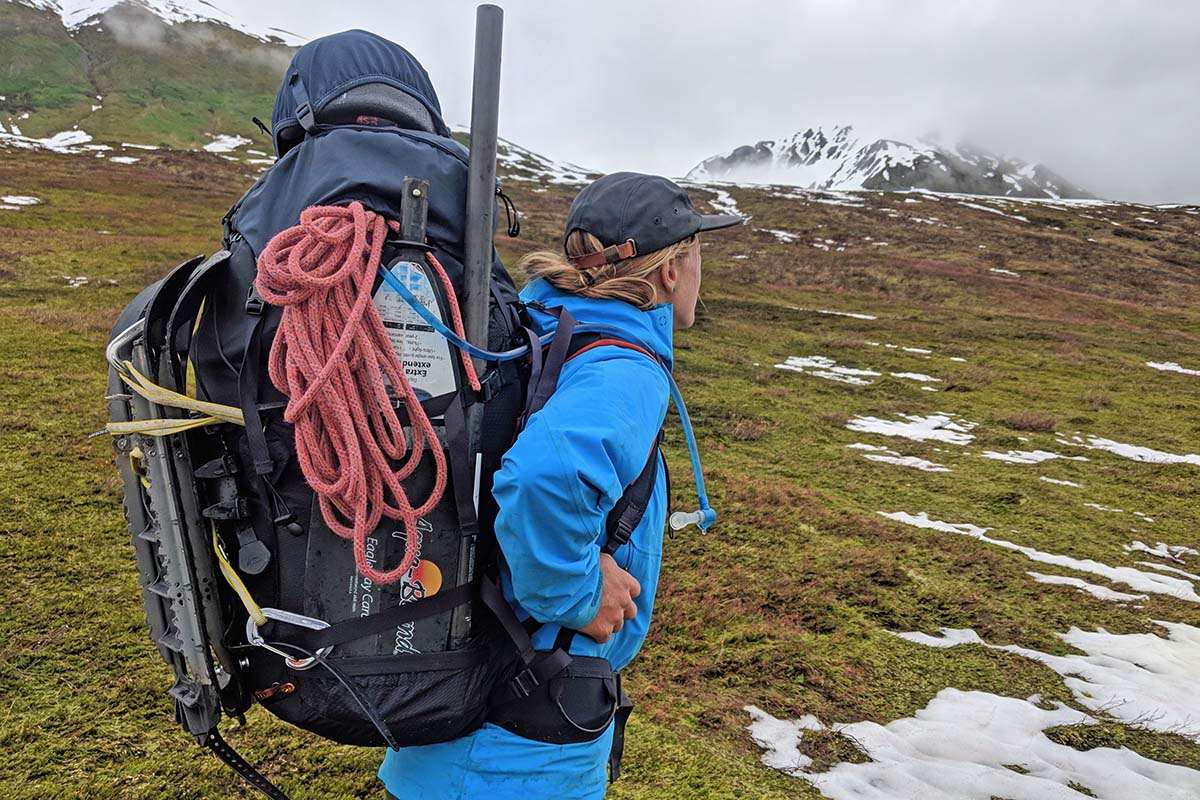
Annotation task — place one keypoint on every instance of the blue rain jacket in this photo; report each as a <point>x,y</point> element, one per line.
<point>554,489</point>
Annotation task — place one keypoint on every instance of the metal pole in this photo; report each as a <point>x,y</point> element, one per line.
<point>481,177</point>
<point>480,230</point>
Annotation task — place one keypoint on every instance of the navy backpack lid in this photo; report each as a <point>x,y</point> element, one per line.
<point>329,66</point>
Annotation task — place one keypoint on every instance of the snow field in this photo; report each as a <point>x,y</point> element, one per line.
<point>961,747</point>
<point>1137,579</point>
<point>1142,679</point>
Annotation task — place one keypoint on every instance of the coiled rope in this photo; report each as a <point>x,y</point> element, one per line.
<point>331,356</point>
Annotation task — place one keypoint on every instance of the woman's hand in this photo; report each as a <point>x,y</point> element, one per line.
<point>618,588</point>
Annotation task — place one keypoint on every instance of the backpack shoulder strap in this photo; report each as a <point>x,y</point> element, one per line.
<point>631,507</point>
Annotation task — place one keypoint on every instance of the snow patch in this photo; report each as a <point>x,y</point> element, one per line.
<point>525,165</point>
<point>1057,482</point>
<point>224,143</point>
<point>1144,680</point>
<point>20,200</point>
<point>886,456</point>
<point>1171,366</point>
<point>72,141</point>
<point>935,427</point>
<point>78,13</point>
<point>960,746</point>
<point>1134,452</point>
<point>827,368</point>
<point>1099,592</point>
<point>846,314</point>
<point>1138,580</point>
<point>124,160</point>
<point>1027,456</point>
<point>981,207</point>
<point>783,236</point>
<point>999,271</point>
<point>1162,550</point>
<point>916,376</point>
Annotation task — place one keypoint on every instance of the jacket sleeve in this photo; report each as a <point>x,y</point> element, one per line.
<point>566,471</point>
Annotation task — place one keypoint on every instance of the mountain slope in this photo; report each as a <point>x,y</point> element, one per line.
<point>839,157</point>
<point>128,74</point>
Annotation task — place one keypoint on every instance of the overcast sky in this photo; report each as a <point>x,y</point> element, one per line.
<point>1105,92</point>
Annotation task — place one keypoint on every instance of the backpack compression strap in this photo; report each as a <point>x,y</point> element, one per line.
<point>222,750</point>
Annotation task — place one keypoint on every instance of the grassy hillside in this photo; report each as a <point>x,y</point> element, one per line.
<point>153,83</point>
<point>789,602</point>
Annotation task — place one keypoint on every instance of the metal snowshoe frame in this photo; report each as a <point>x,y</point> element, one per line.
<point>172,538</point>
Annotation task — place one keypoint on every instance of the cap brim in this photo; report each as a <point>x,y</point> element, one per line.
<point>713,222</point>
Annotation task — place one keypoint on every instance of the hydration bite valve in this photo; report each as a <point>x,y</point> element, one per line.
<point>701,518</point>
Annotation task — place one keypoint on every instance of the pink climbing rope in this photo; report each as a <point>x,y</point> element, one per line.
<point>330,357</point>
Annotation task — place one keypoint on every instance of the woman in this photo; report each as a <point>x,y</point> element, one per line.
<point>632,262</point>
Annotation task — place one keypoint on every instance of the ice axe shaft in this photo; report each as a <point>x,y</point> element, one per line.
<point>480,229</point>
<point>481,176</point>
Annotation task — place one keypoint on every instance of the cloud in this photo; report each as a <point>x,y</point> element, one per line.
<point>135,27</point>
<point>1102,91</point>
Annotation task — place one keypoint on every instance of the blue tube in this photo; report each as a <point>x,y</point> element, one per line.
<point>506,355</point>
<point>707,515</point>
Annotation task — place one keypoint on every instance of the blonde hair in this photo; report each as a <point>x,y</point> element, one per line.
<point>628,280</point>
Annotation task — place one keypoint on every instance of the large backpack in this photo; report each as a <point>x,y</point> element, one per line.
<point>250,596</point>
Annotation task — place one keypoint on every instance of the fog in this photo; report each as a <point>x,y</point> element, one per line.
<point>1104,92</point>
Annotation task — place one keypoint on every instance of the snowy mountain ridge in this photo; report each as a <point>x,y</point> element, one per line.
<point>78,13</point>
<point>841,157</point>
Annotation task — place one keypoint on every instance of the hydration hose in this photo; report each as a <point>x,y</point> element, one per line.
<point>704,516</point>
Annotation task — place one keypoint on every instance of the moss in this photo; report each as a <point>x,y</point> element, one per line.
<point>829,748</point>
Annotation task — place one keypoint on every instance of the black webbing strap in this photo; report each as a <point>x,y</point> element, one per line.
<point>347,631</point>
<point>535,373</point>
<point>433,407</point>
<point>537,668</point>
<point>544,384</point>
<point>631,506</point>
<point>564,639</point>
<point>462,471</point>
<point>248,380</point>
<point>624,709</point>
<point>221,749</point>
<point>494,600</point>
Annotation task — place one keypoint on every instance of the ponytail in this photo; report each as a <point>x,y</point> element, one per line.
<point>630,280</point>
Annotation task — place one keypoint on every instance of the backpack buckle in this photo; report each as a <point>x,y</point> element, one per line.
<point>490,385</point>
<point>524,683</point>
<point>254,301</point>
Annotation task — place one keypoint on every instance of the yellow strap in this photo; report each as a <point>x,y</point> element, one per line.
<point>235,582</point>
<point>160,427</point>
<point>136,457</point>
<point>211,413</point>
<point>165,397</point>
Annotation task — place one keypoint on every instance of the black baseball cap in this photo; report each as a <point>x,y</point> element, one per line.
<point>647,210</point>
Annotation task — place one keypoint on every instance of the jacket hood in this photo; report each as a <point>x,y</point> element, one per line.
<point>654,327</point>
<point>334,64</point>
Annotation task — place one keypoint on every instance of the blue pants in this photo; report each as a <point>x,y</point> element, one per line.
<point>493,764</point>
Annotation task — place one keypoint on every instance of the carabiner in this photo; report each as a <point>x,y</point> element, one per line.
<point>254,638</point>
